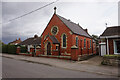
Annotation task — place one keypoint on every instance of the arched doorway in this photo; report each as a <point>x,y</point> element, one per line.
<point>48,48</point>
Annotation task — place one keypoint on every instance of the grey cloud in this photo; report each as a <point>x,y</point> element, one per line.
<point>36,22</point>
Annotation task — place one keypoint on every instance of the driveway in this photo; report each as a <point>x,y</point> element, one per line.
<point>96,60</point>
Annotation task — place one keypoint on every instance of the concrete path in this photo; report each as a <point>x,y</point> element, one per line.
<point>67,64</point>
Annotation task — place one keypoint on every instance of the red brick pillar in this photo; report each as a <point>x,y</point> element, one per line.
<point>18,50</point>
<point>74,53</point>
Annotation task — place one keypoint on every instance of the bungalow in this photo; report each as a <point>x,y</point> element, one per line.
<point>110,41</point>
<point>63,37</point>
<point>33,44</point>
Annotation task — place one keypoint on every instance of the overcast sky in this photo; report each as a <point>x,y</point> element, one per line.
<point>92,14</point>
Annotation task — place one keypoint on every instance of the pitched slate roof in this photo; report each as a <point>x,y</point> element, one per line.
<point>54,39</point>
<point>31,41</point>
<point>16,41</point>
<point>111,31</point>
<point>75,28</point>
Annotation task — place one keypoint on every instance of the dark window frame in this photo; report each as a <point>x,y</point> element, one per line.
<point>76,41</point>
<point>84,43</point>
<point>64,40</point>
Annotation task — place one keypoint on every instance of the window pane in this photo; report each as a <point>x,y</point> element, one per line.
<point>64,40</point>
<point>54,30</point>
<point>84,42</point>
<point>76,41</point>
<point>90,43</point>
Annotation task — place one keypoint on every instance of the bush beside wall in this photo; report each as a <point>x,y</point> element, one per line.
<point>11,49</point>
<point>112,60</point>
<point>4,48</point>
<point>23,49</point>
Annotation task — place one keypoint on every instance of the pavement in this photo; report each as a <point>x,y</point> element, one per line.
<point>91,65</point>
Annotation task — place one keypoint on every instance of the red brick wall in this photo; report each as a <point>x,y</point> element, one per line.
<point>18,50</point>
<point>86,50</point>
<point>31,49</point>
<point>38,51</point>
<point>94,48</point>
<point>74,54</point>
<point>55,21</point>
<point>53,46</point>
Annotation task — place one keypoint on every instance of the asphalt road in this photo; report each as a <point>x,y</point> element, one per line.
<point>12,68</point>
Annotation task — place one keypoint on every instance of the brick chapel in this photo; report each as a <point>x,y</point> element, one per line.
<point>62,37</point>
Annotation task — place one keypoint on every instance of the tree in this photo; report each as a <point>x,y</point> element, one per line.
<point>96,38</point>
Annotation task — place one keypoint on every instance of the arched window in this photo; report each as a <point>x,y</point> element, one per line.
<point>77,41</point>
<point>64,40</point>
<point>45,37</point>
<point>84,43</point>
<point>90,43</point>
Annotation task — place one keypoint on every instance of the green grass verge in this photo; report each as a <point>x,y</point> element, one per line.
<point>117,55</point>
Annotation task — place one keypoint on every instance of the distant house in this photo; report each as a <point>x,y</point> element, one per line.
<point>110,41</point>
<point>15,42</point>
<point>32,43</point>
<point>61,37</point>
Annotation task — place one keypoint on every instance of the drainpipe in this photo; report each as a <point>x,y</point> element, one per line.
<point>35,50</point>
<point>107,46</point>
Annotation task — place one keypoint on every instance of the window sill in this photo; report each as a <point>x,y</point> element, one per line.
<point>55,50</point>
<point>64,47</point>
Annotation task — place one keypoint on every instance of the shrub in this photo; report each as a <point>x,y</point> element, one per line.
<point>4,48</point>
<point>103,63</point>
<point>23,49</point>
<point>12,49</point>
<point>112,56</point>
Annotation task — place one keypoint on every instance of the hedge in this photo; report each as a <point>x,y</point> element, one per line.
<point>4,48</point>
<point>11,49</point>
<point>112,56</point>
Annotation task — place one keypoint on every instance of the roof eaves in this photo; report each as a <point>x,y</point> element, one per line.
<point>83,35</point>
<point>75,24</point>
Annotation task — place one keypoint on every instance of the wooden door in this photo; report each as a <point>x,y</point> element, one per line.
<point>48,48</point>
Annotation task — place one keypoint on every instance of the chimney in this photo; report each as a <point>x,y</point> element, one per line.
<point>86,30</point>
<point>19,39</point>
<point>36,36</point>
<point>68,19</point>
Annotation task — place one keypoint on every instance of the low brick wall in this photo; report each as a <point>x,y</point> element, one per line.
<point>111,61</point>
<point>25,54</point>
<point>58,57</point>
